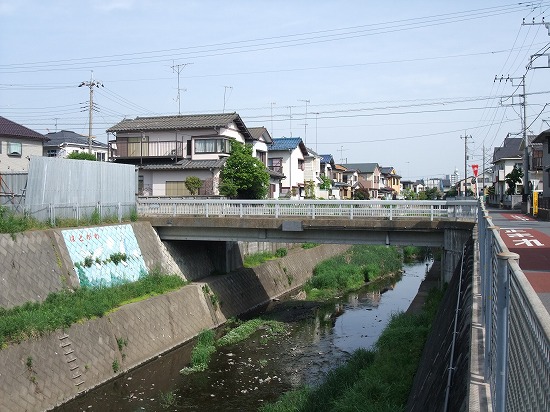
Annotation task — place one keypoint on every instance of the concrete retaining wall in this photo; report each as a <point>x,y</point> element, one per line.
<point>41,373</point>
<point>37,263</point>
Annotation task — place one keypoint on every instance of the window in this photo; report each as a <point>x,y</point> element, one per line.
<point>51,153</point>
<point>212,146</point>
<point>189,148</point>
<point>100,156</point>
<point>14,149</point>
<point>261,155</point>
<point>275,164</point>
<point>300,164</point>
<point>175,188</point>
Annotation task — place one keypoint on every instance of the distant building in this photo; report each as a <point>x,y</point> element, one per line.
<point>17,145</point>
<point>65,142</point>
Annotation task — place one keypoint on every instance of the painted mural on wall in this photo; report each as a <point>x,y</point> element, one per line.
<point>105,256</point>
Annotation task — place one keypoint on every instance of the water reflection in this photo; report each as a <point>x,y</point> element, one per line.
<point>244,376</point>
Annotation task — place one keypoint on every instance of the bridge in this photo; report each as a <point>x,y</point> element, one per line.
<point>445,224</point>
<point>511,357</point>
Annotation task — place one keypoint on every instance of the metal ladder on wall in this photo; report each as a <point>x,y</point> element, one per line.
<point>71,359</point>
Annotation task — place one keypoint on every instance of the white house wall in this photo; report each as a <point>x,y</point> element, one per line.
<point>156,179</point>
<point>29,148</point>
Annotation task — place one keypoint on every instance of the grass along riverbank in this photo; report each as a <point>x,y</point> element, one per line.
<point>62,309</point>
<point>350,271</point>
<point>207,344</point>
<point>378,380</point>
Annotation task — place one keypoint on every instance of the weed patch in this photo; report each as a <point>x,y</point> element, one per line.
<point>378,380</point>
<point>62,309</point>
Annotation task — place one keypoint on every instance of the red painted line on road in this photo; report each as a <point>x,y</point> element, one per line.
<point>539,280</point>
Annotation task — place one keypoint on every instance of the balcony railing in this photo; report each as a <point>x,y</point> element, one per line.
<point>148,149</point>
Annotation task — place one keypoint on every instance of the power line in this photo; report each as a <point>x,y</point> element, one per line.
<point>261,44</point>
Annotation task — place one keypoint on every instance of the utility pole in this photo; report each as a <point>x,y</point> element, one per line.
<point>305,123</point>
<point>524,133</point>
<point>465,137</point>
<point>316,118</point>
<point>178,68</point>
<point>91,84</point>
<point>225,90</point>
<point>272,129</point>
<point>290,119</point>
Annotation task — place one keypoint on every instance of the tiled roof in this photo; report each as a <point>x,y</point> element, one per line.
<point>327,158</point>
<point>509,150</point>
<point>180,122</point>
<point>362,167</point>
<point>187,164</point>
<point>311,152</point>
<point>66,136</point>
<point>12,129</point>
<point>285,143</point>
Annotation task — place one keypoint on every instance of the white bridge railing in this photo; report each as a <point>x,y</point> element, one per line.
<point>517,327</point>
<point>348,209</point>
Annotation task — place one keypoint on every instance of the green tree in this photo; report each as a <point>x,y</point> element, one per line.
<point>409,194</point>
<point>81,156</point>
<point>193,184</point>
<point>309,189</point>
<point>361,194</point>
<point>512,179</point>
<point>430,194</point>
<point>326,183</point>
<point>243,176</point>
<point>452,192</point>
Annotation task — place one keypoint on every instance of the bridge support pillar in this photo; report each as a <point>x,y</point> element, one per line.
<point>453,243</point>
<point>225,256</point>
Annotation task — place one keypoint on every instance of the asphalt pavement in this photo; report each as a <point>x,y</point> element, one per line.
<point>530,239</point>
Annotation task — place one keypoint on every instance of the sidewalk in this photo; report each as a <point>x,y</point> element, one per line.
<point>530,239</point>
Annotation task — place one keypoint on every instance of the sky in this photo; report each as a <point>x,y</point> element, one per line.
<point>398,83</point>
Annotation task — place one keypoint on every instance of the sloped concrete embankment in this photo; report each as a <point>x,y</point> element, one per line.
<point>443,376</point>
<point>37,263</point>
<point>40,373</point>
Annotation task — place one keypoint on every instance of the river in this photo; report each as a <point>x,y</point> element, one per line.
<point>244,376</point>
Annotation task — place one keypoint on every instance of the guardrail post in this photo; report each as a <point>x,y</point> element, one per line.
<point>350,212</point>
<point>431,213</point>
<point>502,310</point>
<point>313,211</point>
<point>391,212</point>
<point>119,212</point>
<point>207,210</point>
<point>276,210</point>
<point>240,210</point>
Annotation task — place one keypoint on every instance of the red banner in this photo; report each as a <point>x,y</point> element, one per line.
<point>475,168</point>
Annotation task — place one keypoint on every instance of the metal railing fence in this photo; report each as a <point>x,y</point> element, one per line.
<point>517,327</point>
<point>91,212</point>
<point>348,209</point>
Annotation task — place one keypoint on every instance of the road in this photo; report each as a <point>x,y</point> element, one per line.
<point>530,239</point>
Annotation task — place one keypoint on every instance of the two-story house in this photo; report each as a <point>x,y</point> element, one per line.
<point>260,141</point>
<point>504,159</point>
<point>544,139</point>
<point>168,149</point>
<point>17,145</point>
<point>369,177</point>
<point>391,180</point>
<point>65,142</point>
<point>326,165</point>
<point>287,155</point>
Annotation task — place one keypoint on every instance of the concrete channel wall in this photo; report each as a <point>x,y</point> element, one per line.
<point>43,372</point>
